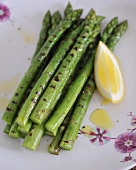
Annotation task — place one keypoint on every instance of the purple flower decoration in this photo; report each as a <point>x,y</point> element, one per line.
<point>133,120</point>
<point>99,136</point>
<point>126,142</point>
<point>128,158</point>
<point>4,12</point>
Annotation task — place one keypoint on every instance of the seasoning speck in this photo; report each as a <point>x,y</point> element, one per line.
<point>19,29</point>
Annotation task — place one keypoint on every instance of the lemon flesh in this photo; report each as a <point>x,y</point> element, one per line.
<point>108,76</point>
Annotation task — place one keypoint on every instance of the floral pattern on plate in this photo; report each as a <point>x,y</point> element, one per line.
<point>4,12</point>
<point>124,143</point>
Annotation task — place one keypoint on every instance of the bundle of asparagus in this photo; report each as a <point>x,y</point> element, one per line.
<point>54,94</point>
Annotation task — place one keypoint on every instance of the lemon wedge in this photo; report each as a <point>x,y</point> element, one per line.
<point>108,76</point>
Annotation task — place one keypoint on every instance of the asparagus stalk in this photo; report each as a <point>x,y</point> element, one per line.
<point>14,132</point>
<point>22,135</point>
<point>109,29</point>
<point>32,140</point>
<point>78,114</point>
<point>48,133</point>
<point>80,66</point>
<point>41,111</point>
<point>79,82</point>
<point>40,70</point>
<point>68,9</point>
<point>7,129</point>
<point>46,76</point>
<point>73,91</point>
<point>44,32</point>
<point>16,99</point>
<point>54,146</point>
<point>33,137</point>
<point>35,134</point>
<point>55,20</point>
<point>26,128</point>
<point>117,34</point>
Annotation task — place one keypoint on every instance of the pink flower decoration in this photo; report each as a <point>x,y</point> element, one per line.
<point>99,136</point>
<point>133,120</point>
<point>126,142</point>
<point>4,12</point>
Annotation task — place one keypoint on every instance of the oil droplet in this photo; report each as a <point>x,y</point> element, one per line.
<point>8,86</point>
<point>3,103</point>
<point>101,118</point>
<point>86,130</point>
<point>105,102</point>
<point>28,37</point>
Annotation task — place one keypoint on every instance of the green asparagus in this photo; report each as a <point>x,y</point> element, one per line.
<point>116,35</point>
<point>54,146</point>
<point>56,17</point>
<point>78,114</point>
<point>26,128</point>
<point>32,141</point>
<point>68,9</point>
<point>46,76</point>
<point>73,91</point>
<point>44,32</point>
<point>16,99</point>
<point>33,137</point>
<point>99,19</point>
<point>22,135</point>
<point>14,132</point>
<point>46,132</point>
<point>35,134</point>
<point>55,20</point>
<point>7,129</point>
<point>41,111</point>
<point>109,29</point>
<point>93,18</point>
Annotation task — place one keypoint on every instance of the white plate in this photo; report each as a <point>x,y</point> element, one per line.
<point>18,37</point>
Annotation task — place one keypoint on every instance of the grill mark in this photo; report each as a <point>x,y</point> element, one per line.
<point>37,92</point>
<point>30,134</point>
<point>8,109</point>
<point>80,105</point>
<point>68,60</point>
<point>72,55</point>
<point>33,100</point>
<point>42,87</point>
<point>76,48</point>
<point>83,37</point>
<point>53,86</point>
<point>14,102</point>
<point>56,78</point>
